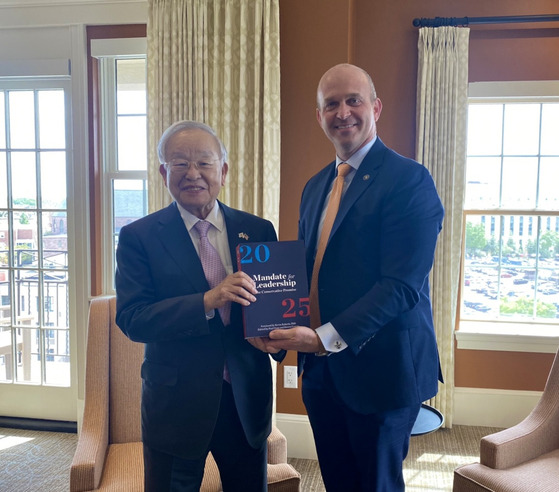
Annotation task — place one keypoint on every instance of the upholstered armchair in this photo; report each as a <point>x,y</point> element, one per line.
<point>524,457</point>
<point>108,456</point>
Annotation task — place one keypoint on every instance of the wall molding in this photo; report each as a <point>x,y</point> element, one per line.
<point>472,406</point>
<point>64,3</point>
<point>492,407</point>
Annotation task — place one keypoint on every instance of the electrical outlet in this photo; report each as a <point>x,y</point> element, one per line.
<point>290,376</point>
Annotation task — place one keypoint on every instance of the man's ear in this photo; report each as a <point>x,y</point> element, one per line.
<point>163,172</point>
<point>224,170</point>
<point>377,108</point>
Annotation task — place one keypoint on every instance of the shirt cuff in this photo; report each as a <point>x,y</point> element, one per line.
<point>330,338</point>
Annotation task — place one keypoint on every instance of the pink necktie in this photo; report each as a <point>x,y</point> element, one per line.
<point>212,265</point>
<point>331,211</point>
<point>215,273</point>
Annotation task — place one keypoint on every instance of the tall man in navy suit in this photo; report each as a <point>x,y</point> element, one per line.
<point>372,359</point>
<point>205,388</point>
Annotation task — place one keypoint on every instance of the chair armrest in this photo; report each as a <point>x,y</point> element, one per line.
<point>537,434</point>
<point>283,478</point>
<point>89,458</point>
<point>277,447</point>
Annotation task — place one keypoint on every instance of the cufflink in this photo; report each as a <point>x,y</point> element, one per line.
<point>338,344</point>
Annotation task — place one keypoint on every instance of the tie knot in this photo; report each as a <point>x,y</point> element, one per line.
<point>202,226</point>
<point>343,169</point>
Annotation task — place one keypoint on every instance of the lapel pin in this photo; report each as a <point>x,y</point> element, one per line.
<point>366,177</point>
<point>243,235</point>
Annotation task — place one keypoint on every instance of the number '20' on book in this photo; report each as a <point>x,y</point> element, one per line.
<point>278,268</point>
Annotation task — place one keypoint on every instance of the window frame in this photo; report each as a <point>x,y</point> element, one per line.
<point>110,171</point>
<point>104,41</point>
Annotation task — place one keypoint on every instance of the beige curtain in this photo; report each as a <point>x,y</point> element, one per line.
<point>217,61</point>
<point>442,99</point>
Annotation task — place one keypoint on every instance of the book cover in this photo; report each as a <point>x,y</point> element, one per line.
<point>278,268</point>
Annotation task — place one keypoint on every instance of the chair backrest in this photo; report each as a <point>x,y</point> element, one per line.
<point>125,383</point>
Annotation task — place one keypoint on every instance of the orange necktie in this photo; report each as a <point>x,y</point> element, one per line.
<point>331,211</point>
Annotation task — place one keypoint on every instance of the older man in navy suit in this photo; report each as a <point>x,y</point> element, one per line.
<point>205,388</point>
<point>371,359</point>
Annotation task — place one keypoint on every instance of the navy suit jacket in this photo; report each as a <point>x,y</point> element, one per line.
<point>160,286</point>
<point>373,282</point>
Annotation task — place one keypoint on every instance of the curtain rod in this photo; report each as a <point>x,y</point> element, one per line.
<point>466,21</point>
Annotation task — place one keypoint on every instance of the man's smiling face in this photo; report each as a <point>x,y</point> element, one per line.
<point>346,111</point>
<point>197,185</point>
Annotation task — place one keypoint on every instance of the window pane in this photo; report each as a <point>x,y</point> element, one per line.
<point>52,119</point>
<point>550,124</point>
<point>2,121</point>
<point>485,123</point>
<point>26,285</point>
<point>131,86</point>
<point>3,183</point>
<point>130,201</point>
<point>132,143</point>
<point>55,240</point>
<point>24,189</point>
<point>22,119</point>
<point>6,354</point>
<point>55,298</point>
<point>57,364</point>
<point>522,129</point>
<point>53,179</point>
<point>549,183</point>
<point>520,176</point>
<point>25,238</point>
<point>483,177</point>
<point>28,364</point>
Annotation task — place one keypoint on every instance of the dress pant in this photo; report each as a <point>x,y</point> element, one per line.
<point>241,467</point>
<point>356,452</point>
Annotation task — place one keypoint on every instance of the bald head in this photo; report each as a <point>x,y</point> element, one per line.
<point>344,70</point>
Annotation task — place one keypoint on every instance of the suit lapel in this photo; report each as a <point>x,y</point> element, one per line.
<point>235,232</point>
<point>364,178</point>
<point>322,188</point>
<point>178,244</point>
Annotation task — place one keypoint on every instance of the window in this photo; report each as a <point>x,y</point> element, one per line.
<point>124,129</point>
<point>34,243</point>
<point>511,255</point>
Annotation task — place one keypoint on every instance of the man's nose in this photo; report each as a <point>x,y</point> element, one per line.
<point>343,111</point>
<point>192,172</point>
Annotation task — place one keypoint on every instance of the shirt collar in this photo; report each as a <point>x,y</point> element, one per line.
<point>215,217</point>
<point>356,159</point>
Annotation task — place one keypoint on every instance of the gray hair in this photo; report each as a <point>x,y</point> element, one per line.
<point>180,126</point>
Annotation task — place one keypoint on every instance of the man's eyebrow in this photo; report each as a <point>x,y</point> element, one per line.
<point>353,95</point>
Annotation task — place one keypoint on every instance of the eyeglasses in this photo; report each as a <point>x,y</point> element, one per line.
<point>182,167</point>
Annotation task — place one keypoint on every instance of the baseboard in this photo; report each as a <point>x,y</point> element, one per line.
<point>297,430</point>
<point>492,407</point>
<point>38,424</point>
<point>472,406</point>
